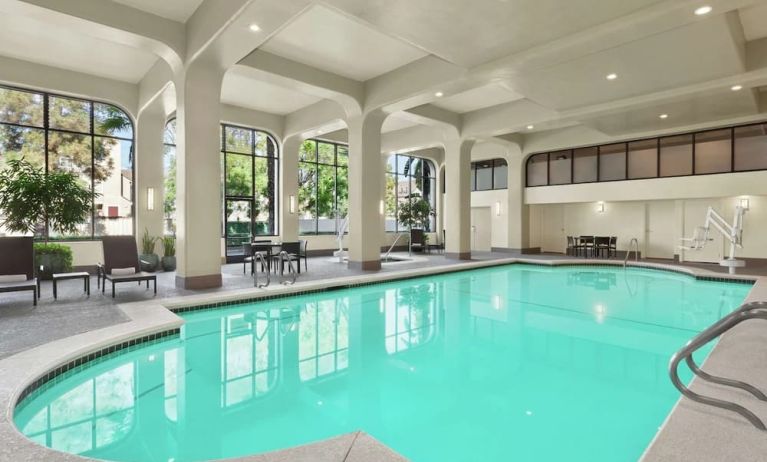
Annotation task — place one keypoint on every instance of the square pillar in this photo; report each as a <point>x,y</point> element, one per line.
<point>289,188</point>
<point>458,199</point>
<point>366,185</point>
<point>149,170</point>
<point>198,147</point>
<point>518,211</point>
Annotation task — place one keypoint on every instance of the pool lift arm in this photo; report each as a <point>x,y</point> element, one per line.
<point>341,253</point>
<point>733,233</point>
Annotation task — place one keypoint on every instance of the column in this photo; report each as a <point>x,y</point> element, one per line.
<point>199,177</point>
<point>518,211</point>
<point>289,189</point>
<point>458,199</point>
<point>366,185</point>
<point>149,170</point>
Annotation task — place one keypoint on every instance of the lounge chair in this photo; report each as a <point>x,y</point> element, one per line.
<point>121,263</point>
<point>17,266</point>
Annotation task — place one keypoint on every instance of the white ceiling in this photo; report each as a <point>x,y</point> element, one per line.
<point>478,98</point>
<point>176,10</point>
<point>334,42</point>
<point>754,20</point>
<point>52,45</point>
<point>397,121</point>
<point>241,88</point>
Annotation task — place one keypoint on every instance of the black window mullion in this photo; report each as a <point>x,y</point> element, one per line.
<point>93,175</point>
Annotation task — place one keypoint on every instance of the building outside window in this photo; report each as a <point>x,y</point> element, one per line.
<point>169,178</point>
<point>323,187</point>
<point>408,178</point>
<point>90,139</point>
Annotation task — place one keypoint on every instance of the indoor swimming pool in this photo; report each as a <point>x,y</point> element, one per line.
<point>516,362</point>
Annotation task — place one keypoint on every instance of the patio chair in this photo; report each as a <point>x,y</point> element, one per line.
<point>602,245</point>
<point>293,249</point>
<point>121,263</point>
<point>302,254</point>
<point>17,266</point>
<point>416,239</point>
<point>265,249</point>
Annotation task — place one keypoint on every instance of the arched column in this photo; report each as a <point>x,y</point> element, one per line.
<point>149,169</point>
<point>199,208</point>
<point>518,211</point>
<point>289,188</point>
<point>457,214</point>
<point>366,190</point>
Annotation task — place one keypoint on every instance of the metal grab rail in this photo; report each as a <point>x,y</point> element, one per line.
<point>284,256</point>
<point>392,246</point>
<point>260,257</point>
<point>636,251</point>
<point>748,311</point>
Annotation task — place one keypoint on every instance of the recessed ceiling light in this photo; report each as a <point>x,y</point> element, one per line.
<point>703,10</point>
<point>611,76</point>
<point>530,127</point>
<point>736,87</point>
<point>439,94</point>
<point>254,27</point>
<point>663,116</point>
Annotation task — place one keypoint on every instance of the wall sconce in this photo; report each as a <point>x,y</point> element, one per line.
<point>600,207</point>
<point>381,207</point>
<point>498,209</point>
<point>744,204</point>
<point>292,205</point>
<point>150,199</point>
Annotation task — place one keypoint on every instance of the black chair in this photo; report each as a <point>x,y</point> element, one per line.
<point>571,248</point>
<point>586,243</point>
<point>417,240</point>
<point>265,250</point>
<point>602,246</point>
<point>303,254</point>
<point>17,266</point>
<point>247,250</point>
<point>121,263</point>
<point>293,249</point>
<point>613,247</point>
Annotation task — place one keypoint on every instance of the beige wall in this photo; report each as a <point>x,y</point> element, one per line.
<point>499,224</point>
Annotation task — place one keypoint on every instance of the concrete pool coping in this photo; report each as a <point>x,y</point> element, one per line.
<point>674,441</point>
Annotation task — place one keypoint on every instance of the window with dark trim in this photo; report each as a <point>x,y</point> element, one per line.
<point>323,186</point>
<point>721,150</point>
<point>90,139</point>
<point>408,178</point>
<point>490,174</point>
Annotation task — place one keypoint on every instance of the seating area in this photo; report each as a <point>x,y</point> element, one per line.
<point>592,246</point>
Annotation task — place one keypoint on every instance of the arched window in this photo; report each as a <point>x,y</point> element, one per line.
<point>409,179</point>
<point>323,186</point>
<point>90,139</point>
<point>169,178</point>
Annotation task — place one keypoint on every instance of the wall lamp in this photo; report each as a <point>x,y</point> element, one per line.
<point>600,207</point>
<point>498,209</point>
<point>292,205</point>
<point>744,203</point>
<point>150,199</point>
<point>381,207</point>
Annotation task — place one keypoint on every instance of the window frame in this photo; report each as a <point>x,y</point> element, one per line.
<point>495,162</point>
<point>315,166</point>
<point>432,198</point>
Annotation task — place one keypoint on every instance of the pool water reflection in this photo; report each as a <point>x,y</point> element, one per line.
<point>509,363</point>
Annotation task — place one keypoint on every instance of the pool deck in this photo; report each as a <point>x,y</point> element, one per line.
<point>35,341</point>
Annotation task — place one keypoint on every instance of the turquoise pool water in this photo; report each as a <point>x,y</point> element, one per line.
<point>522,363</point>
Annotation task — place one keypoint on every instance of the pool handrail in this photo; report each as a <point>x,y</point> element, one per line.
<point>634,241</point>
<point>260,257</point>
<point>284,256</point>
<point>747,311</point>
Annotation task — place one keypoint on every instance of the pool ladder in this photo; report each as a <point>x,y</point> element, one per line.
<point>635,243</point>
<point>285,257</point>
<point>262,261</point>
<point>746,312</point>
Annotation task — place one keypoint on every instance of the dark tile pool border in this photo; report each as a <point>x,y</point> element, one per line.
<point>52,375</point>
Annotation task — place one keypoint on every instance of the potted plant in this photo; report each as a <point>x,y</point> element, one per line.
<point>150,261</point>
<point>32,200</point>
<point>415,212</point>
<point>169,253</point>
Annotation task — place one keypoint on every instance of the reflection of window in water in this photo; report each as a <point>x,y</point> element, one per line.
<point>95,414</point>
<point>249,355</point>
<point>323,333</point>
<point>595,279</point>
<point>410,317</point>
<point>170,382</point>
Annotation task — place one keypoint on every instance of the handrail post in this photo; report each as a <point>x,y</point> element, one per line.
<point>291,269</point>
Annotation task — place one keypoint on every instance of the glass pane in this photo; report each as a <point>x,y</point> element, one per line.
<point>112,121</point>
<point>169,189</point>
<point>643,159</point>
<point>342,192</point>
<point>308,151</point>
<point>307,198</point>
<point>114,184</point>
<point>713,151</point>
<point>391,201</point>
<point>264,145</point>
<point>500,174</point>
<point>21,107</point>
<point>751,147</point>
<point>403,164</point>
<point>72,153</point>
<point>69,114</point>
<point>585,165</point>
<point>473,179</point>
<point>264,198</point>
<point>560,165</point>
<point>612,162</point>
<point>238,140</point>
<point>326,153</point>
<point>239,175</point>
<point>537,170</point>
<point>676,155</point>
<point>326,196</point>
<point>484,175</point>
<point>169,135</point>
<point>17,142</point>
<point>343,155</point>
<point>238,226</point>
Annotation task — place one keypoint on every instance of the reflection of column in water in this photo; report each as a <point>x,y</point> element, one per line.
<point>367,357</point>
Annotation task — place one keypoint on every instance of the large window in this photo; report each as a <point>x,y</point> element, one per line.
<point>489,174</point>
<point>92,140</point>
<point>724,150</point>
<point>169,175</point>
<point>408,178</point>
<point>323,187</point>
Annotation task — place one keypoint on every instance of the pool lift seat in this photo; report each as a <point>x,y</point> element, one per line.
<point>732,232</point>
